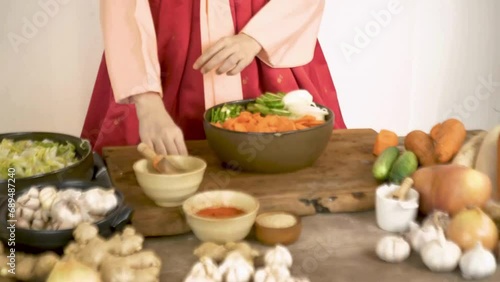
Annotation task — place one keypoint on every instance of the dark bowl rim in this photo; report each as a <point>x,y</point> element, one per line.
<point>121,202</point>
<point>277,134</point>
<point>35,177</point>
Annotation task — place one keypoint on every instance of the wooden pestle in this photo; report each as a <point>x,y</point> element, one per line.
<point>403,190</point>
<point>160,163</point>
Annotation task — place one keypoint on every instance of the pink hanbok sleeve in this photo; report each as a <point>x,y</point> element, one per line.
<point>130,48</point>
<point>287,30</point>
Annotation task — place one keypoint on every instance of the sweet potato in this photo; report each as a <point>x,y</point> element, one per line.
<point>385,139</point>
<point>448,137</point>
<point>451,188</point>
<point>422,145</point>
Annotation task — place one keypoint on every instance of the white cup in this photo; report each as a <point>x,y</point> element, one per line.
<point>394,215</point>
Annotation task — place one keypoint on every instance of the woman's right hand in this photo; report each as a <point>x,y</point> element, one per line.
<point>156,127</point>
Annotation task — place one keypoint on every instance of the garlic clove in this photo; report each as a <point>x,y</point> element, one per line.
<point>47,196</point>
<point>32,203</point>
<point>23,199</point>
<point>33,192</point>
<point>26,213</point>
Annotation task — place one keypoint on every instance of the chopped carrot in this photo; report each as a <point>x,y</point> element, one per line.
<point>314,122</point>
<point>244,117</point>
<point>248,122</point>
<point>385,138</point>
<point>306,118</point>
<point>301,126</point>
<point>240,127</point>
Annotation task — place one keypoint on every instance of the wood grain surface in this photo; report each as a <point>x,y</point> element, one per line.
<point>340,181</point>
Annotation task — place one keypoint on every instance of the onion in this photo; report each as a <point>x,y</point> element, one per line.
<point>298,96</point>
<point>471,226</point>
<point>73,271</point>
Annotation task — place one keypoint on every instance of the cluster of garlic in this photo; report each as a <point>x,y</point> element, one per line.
<point>277,267</point>
<point>50,209</point>
<point>436,252</point>
<point>237,265</point>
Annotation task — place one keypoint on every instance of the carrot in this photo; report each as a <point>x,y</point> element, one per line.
<point>448,137</point>
<point>385,139</point>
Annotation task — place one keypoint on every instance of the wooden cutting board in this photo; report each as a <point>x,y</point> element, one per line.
<point>340,181</point>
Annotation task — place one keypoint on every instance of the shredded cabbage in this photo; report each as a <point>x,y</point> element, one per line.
<point>30,158</point>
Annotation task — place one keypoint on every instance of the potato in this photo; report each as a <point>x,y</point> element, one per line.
<point>422,145</point>
<point>451,188</point>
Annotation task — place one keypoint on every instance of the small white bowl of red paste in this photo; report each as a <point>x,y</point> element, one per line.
<point>221,216</point>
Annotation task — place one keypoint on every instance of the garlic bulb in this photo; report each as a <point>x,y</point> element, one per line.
<point>420,236</point>
<point>477,263</point>
<point>393,249</point>
<point>204,270</point>
<point>272,274</point>
<point>236,268</point>
<point>279,256</point>
<point>99,201</point>
<point>441,255</point>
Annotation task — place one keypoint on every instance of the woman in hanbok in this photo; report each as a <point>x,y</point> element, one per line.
<point>167,61</point>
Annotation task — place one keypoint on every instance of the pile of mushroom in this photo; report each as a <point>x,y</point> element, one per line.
<point>51,209</point>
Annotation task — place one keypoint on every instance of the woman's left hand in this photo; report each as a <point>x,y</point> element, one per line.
<point>230,54</point>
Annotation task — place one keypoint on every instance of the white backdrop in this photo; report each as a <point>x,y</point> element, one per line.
<point>399,65</point>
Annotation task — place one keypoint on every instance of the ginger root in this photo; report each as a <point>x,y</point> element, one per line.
<point>218,252</point>
<point>28,267</point>
<point>120,258</point>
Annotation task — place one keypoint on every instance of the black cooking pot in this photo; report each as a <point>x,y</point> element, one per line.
<point>81,170</point>
<point>36,241</point>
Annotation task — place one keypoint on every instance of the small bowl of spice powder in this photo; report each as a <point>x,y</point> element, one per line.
<point>273,228</point>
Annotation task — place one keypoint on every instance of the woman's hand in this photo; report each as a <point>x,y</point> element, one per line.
<point>230,54</point>
<point>156,128</point>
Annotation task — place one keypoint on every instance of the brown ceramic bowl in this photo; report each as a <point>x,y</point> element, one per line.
<point>268,152</point>
<point>274,228</point>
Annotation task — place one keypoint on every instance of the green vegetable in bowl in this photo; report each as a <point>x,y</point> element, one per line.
<point>225,112</point>
<point>31,158</point>
<point>267,103</point>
